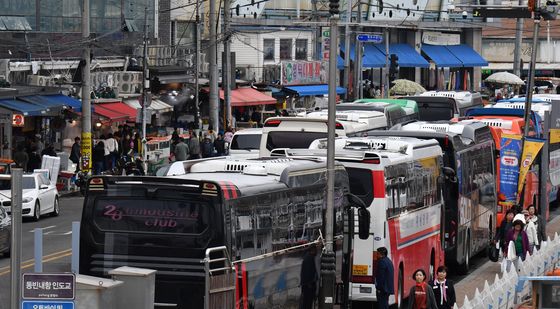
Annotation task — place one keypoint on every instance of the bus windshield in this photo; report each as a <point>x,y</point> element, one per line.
<point>138,215</point>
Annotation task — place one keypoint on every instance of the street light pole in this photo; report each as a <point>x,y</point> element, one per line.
<point>145,89</point>
<point>328,258</point>
<point>213,95</point>
<point>197,69</point>
<point>86,99</point>
<point>226,79</point>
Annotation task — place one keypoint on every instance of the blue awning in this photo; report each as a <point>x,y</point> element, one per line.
<point>309,90</point>
<point>27,109</point>
<point>441,56</point>
<point>76,105</point>
<point>372,57</point>
<point>408,56</point>
<point>43,101</point>
<point>468,56</point>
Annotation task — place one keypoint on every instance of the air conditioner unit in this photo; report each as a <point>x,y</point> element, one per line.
<point>127,77</point>
<point>242,73</point>
<point>126,87</point>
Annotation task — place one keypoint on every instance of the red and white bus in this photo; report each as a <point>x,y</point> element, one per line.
<point>398,178</point>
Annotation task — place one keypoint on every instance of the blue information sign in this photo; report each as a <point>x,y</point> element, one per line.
<point>371,38</point>
<point>38,304</point>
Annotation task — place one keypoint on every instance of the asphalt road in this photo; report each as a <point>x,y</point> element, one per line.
<point>57,243</point>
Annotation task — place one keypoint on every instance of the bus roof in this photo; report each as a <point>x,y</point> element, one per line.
<point>539,107</point>
<point>353,121</point>
<point>401,102</point>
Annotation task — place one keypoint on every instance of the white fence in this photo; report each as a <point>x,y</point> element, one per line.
<point>509,290</point>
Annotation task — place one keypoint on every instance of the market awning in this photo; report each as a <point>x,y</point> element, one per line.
<point>246,97</point>
<point>442,56</point>
<point>408,56</point>
<point>468,56</point>
<point>372,57</point>
<point>157,105</point>
<point>110,114</point>
<point>44,101</point>
<point>119,108</point>
<point>27,109</point>
<point>75,104</point>
<point>310,90</point>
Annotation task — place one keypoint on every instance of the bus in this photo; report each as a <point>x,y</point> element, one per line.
<point>410,106</point>
<point>394,113</point>
<point>470,197</point>
<point>464,100</point>
<point>435,108</point>
<point>299,132</point>
<point>262,218</point>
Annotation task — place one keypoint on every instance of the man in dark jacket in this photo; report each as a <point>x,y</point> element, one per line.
<point>384,282</point>
<point>444,290</point>
<point>220,145</point>
<point>76,153</point>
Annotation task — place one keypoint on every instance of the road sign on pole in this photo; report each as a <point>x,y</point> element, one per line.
<point>370,38</point>
<point>34,304</point>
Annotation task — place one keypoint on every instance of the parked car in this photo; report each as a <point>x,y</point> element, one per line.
<point>5,236</point>
<point>40,196</point>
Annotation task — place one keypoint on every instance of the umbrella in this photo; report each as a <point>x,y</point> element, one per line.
<point>406,87</point>
<point>505,78</point>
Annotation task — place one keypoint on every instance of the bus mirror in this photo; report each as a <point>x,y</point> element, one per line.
<point>449,174</point>
<point>363,223</point>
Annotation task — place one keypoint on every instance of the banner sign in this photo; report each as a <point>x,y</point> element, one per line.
<point>531,148</point>
<point>304,72</point>
<point>510,152</point>
<point>87,151</point>
<point>440,38</point>
<point>326,42</point>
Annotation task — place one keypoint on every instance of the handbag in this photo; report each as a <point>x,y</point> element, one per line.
<point>494,252</point>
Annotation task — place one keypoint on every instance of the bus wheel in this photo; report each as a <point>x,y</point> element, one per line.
<point>464,268</point>
<point>400,289</point>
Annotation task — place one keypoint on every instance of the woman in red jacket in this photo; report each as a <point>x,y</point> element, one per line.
<point>421,294</point>
<point>519,237</point>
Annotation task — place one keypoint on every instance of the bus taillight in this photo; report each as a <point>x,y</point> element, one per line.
<point>272,123</point>
<point>378,184</point>
<point>362,279</point>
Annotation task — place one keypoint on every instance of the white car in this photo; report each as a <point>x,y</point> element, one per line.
<point>40,197</point>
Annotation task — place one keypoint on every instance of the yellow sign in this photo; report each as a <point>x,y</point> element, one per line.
<point>359,270</point>
<point>531,148</point>
<point>86,151</point>
<point>554,136</point>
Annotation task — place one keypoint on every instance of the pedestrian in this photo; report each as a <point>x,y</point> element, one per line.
<point>99,157</point>
<point>539,223</point>
<point>21,158</point>
<point>194,147</point>
<point>444,290</point>
<point>421,294</point>
<point>531,231</point>
<point>507,224</point>
<point>38,143</point>
<point>111,151</point>
<point>384,282</point>
<point>34,159</point>
<point>519,237</point>
<point>127,145</point>
<point>76,153</point>
<point>49,151</point>
<point>220,145</point>
<point>181,150</point>
<point>207,147</point>
<point>308,278</point>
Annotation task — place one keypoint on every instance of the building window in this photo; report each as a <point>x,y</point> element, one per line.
<point>268,49</point>
<point>285,49</point>
<point>301,49</point>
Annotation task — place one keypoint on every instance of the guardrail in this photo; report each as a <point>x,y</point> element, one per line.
<point>510,290</point>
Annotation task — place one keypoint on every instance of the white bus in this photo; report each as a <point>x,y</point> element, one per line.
<point>398,178</point>
<point>465,100</point>
<point>299,132</point>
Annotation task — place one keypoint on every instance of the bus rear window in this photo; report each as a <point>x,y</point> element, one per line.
<point>361,184</point>
<point>151,216</point>
<point>246,141</point>
<point>292,139</point>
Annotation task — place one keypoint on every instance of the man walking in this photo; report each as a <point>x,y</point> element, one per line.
<point>194,147</point>
<point>384,283</point>
<point>181,150</point>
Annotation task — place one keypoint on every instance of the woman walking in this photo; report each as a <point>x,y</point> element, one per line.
<point>519,237</point>
<point>421,294</point>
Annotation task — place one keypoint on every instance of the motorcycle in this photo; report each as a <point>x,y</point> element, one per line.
<point>129,166</point>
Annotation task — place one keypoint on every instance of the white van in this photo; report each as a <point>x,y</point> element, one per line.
<point>299,132</point>
<point>246,143</point>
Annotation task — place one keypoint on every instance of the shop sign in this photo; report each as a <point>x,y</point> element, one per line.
<point>18,120</point>
<point>304,72</point>
<point>439,38</point>
<point>326,42</point>
<point>86,151</point>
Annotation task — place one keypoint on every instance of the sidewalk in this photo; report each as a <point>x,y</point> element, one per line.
<point>488,270</point>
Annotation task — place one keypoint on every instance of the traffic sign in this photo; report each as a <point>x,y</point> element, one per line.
<point>370,38</point>
<point>36,304</point>
<point>521,12</point>
<point>48,286</point>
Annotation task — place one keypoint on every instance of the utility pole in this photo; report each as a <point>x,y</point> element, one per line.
<point>197,69</point>
<point>86,99</point>
<point>358,59</point>
<point>531,77</point>
<point>517,69</point>
<point>213,95</point>
<point>145,88</point>
<point>387,81</point>
<point>347,49</point>
<point>328,257</point>
<point>226,75</point>
<point>15,262</point>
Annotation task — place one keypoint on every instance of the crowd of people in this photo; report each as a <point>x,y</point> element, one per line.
<point>193,146</point>
<point>29,153</point>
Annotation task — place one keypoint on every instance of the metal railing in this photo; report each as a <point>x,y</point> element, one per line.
<point>219,281</point>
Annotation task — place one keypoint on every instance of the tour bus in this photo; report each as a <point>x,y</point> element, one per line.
<point>465,100</point>
<point>470,197</point>
<point>410,106</point>
<point>299,132</point>
<point>259,219</point>
<point>435,108</point>
<point>538,105</point>
<point>498,127</point>
<point>394,113</point>
<point>400,181</point>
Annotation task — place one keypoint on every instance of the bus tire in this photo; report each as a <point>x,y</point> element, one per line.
<point>400,290</point>
<point>465,266</point>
